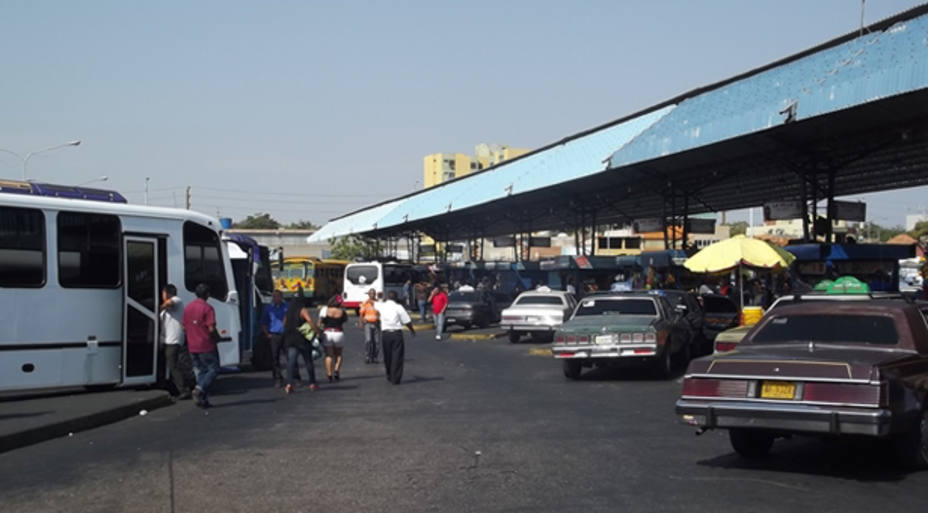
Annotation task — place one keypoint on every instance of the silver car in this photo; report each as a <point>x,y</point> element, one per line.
<point>538,313</point>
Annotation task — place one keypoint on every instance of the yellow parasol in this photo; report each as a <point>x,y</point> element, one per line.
<point>738,251</point>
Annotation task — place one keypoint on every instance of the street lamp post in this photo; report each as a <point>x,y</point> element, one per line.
<point>29,155</point>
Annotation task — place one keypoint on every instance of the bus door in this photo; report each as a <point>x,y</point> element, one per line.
<point>141,331</point>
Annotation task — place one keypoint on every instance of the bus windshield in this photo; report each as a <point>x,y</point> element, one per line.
<point>293,270</point>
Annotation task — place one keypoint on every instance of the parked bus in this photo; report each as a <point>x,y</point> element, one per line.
<point>251,268</point>
<point>361,277</point>
<point>319,279</point>
<point>81,280</point>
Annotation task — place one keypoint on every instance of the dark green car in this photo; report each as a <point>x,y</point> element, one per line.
<point>633,327</point>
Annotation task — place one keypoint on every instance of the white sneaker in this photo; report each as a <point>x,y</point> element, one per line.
<point>437,337</point>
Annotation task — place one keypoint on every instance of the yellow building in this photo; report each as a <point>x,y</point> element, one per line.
<point>441,167</point>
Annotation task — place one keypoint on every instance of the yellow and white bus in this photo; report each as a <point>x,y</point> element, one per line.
<point>319,279</point>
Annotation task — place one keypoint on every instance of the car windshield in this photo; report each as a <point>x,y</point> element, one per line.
<point>613,306</point>
<point>539,300</point>
<point>719,305</point>
<point>828,328</point>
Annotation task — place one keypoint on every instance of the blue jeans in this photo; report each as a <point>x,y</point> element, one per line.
<point>206,368</point>
<point>439,323</point>
<point>292,362</point>
<point>422,304</point>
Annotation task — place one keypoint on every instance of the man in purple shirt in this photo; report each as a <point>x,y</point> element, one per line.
<point>200,326</point>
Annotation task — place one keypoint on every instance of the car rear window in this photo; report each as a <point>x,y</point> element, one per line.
<point>617,306</point>
<point>719,305</point>
<point>829,328</point>
<point>465,296</point>
<point>539,300</point>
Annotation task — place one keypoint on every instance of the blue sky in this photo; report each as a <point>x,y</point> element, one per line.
<point>310,109</point>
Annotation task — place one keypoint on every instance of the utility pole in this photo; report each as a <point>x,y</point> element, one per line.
<point>188,197</point>
<point>147,179</point>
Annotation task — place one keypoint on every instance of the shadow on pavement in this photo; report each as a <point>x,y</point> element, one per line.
<point>421,379</point>
<point>628,372</point>
<point>246,402</point>
<point>24,415</point>
<point>860,459</point>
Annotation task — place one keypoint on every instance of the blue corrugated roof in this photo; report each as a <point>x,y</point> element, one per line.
<point>573,159</point>
<point>359,222</point>
<point>853,71</point>
<point>877,65</point>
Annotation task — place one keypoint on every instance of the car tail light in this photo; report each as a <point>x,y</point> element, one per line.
<point>842,393</point>
<point>571,339</point>
<point>724,347</point>
<point>638,338</point>
<point>702,387</point>
<point>650,338</point>
<point>625,338</point>
<point>583,339</point>
<point>559,339</point>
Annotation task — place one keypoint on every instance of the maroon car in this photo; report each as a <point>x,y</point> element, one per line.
<point>819,368</point>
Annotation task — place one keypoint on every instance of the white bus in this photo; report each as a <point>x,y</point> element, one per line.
<point>80,287</point>
<point>360,277</point>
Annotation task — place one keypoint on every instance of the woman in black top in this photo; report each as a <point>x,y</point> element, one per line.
<point>332,319</point>
<point>296,344</point>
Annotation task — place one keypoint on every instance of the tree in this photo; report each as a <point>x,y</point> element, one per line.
<point>882,233</point>
<point>258,221</point>
<point>353,246</point>
<point>302,225</point>
<point>920,232</point>
<point>739,228</point>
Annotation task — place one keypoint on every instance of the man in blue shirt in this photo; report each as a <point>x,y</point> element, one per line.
<point>272,322</point>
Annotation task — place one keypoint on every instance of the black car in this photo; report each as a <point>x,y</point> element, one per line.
<point>692,315</point>
<point>475,308</point>
<point>721,313</point>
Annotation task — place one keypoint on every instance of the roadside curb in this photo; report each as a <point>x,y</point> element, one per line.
<point>39,434</point>
<point>478,336</point>
<point>540,351</point>
<point>423,327</point>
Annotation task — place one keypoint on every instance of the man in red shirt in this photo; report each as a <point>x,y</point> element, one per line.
<point>200,325</point>
<point>439,299</point>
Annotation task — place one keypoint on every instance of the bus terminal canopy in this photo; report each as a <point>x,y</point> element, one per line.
<point>847,117</point>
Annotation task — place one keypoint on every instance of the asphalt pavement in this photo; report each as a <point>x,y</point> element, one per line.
<point>475,426</point>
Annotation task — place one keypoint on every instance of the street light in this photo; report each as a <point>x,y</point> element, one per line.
<point>43,150</point>
<point>101,178</point>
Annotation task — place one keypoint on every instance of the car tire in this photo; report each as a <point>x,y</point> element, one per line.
<point>911,449</point>
<point>664,364</point>
<point>750,443</point>
<point>514,337</point>
<point>572,369</point>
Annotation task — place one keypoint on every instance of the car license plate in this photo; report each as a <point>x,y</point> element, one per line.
<point>778,390</point>
<point>604,339</point>
<point>451,320</point>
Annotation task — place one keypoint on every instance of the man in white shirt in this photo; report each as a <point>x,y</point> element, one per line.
<point>172,336</point>
<point>392,319</point>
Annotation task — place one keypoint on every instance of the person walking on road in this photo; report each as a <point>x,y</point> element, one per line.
<point>200,324</point>
<point>392,319</point>
<point>439,300</point>
<point>297,344</point>
<point>172,337</point>
<point>332,319</point>
<point>369,321</point>
<point>272,323</point>
<point>422,299</point>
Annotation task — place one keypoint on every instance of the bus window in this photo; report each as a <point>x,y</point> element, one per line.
<point>22,247</point>
<point>88,250</point>
<point>362,274</point>
<point>203,260</point>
